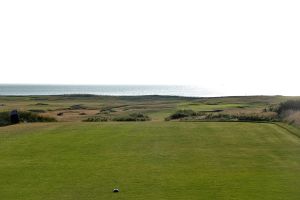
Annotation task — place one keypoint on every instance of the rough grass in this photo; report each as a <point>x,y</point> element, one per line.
<point>156,107</point>
<point>151,160</point>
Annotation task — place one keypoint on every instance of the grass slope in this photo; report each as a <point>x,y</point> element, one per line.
<point>151,160</point>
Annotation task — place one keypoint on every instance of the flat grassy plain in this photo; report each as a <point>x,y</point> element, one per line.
<point>149,160</point>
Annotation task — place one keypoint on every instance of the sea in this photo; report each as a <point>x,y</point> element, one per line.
<point>108,90</point>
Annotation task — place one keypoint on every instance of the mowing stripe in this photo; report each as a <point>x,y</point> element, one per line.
<point>287,129</point>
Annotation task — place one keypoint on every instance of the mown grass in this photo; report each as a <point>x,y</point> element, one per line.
<point>150,160</point>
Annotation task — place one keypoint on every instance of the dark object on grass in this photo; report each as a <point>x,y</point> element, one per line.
<point>14,117</point>
<point>60,114</point>
<point>115,190</point>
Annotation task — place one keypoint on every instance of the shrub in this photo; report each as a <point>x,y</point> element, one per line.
<point>289,105</point>
<point>4,119</point>
<point>33,117</point>
<point>96,119</point>
<point>24,117</point>
<point>256,117</point>
<point>220,116</point>
<point>272,108</point>
<point>189,115</point>
<point>181,114</point>
<point>133,117</point>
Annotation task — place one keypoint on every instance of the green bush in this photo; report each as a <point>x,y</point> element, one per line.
<point>24,117</point>
<point>181,114</point>
<point>255,117</point>
<point>4,119</point>
<point>220,116</point>
<point>189,115</point>
<point>33,117</point>
<point>96,119</point>
<point>130,117</point>
<point>133,117</point>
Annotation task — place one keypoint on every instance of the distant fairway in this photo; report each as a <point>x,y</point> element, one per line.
<point>151,160</point>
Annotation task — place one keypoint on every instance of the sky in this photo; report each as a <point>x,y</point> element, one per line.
<point>238,47</point>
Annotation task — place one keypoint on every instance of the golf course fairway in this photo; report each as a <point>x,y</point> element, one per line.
<point>149,160</point>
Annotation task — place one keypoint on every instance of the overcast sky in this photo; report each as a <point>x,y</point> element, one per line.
<point>237,46</point>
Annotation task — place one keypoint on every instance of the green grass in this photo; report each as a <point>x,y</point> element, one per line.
<point>150,160</point>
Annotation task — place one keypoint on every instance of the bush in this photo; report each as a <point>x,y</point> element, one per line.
<point>223,117</point>
<point>33,117</point>
<point>24,117</point>
<point>255,117</point>
<point>289,105</point>
<point>133,117</point>
<point>189,115</point>
<point>181,114</point>
<point>272,108</point>
<point>96,119</point>
<point>4,119</point>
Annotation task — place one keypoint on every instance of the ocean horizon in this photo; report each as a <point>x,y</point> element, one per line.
<point>106,90</point>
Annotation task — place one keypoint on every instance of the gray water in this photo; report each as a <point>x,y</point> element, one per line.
<point>112,90</point>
